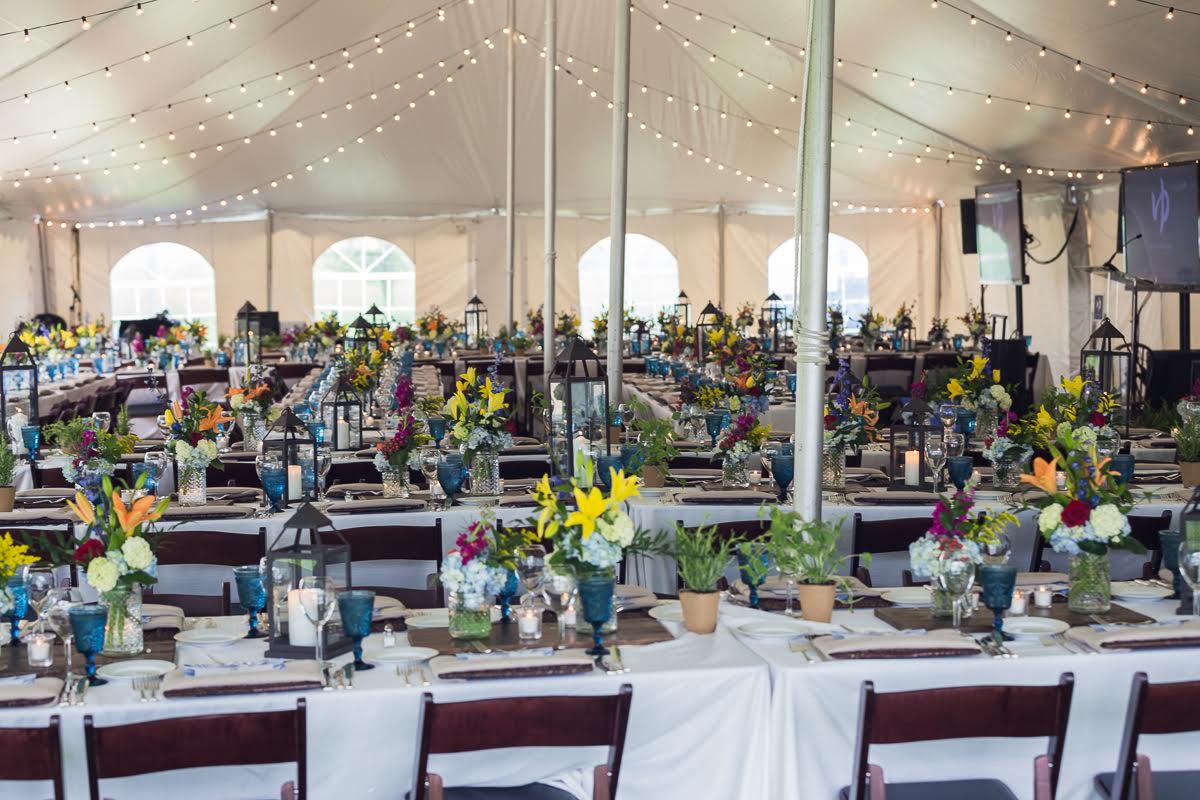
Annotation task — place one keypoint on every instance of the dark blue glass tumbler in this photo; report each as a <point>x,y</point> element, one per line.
<point>357,607</point>
<point>997,582</point>
<point>252,595</point>
<point>596,592</point>
<point>87,625</point>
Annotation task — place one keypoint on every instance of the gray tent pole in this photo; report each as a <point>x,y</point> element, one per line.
<point>620,181</point>
<point>510,227</point>
<point>551,212</point>
<point>812,254</point>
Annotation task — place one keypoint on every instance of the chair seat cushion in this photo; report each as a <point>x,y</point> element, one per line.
<point>1167,785</point>
<point>945,790</point>
<point>530,791</point>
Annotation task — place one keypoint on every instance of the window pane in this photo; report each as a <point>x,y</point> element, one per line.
<point>847,278</point>
<point>354,273</point>
<point>164,277</point>
<point>651,279</point>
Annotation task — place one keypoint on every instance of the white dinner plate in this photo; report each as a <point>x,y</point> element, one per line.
<point>208,637</point>
<point>656,491</point>
<point>399,655</point>
<point>629,591</point>
<point>435,617</point>
<point>1128,590</point>
<point>138,668</point>
<point>779,629</point>
<point>1033,627</point>
<point>469,500</point>
<point>669,611</point>
<point>912,596</point>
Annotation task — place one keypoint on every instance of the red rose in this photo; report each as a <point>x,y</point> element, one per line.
<point>1076,513</point>
<point>511,426</point>
<point>830,422</point>
<point>92,548</point>
<point>1097,419</point>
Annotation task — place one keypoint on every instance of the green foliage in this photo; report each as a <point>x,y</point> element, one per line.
<point>68,436</point>
<point>753,565</point>
<point>8,462</point>
<point>656,437</point>
<point>808,550</point>
<point>122,424</point>
<point>1187,441</point>
<point>431,406</point>
<point>701,555</point>
<point>1160,418</point>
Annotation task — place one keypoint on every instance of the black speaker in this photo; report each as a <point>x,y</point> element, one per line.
<point>1009,356</point>
<point>966,210</point>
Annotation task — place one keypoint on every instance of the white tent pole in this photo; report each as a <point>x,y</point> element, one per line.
<point>812,254</point>
<point>620,180</point>
<point>510,220</point>
<point>551,170</point>
<point>270,259</point>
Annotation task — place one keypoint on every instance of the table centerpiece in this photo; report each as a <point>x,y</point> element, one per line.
<point>978,391</point>
<point>192,427</point>
<point>394,456</point>
<point>806,553</point>
<point>481,427</point>
<point>744,437</point>
<point>1011,447</point>
<point>253,409</point>
<point>851,414</point>
<point>1078,410</point>
<point>481,566</point>
<point>92,453</point>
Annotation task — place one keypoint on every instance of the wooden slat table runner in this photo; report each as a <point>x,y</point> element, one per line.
<point>981,620</point>
<point>631,630</point>
<point>15,662</point>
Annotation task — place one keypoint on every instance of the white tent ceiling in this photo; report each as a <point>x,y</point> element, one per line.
<point>446,154</point>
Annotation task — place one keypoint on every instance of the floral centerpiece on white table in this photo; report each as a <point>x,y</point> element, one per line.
<point>738,442</point>
<point>13,557</point>
<point>92,453</point>
<point>851,414</point>
<point>976,322</point>
<point>870,326</point>
<point>977,388</point>
<point>394,456</point>
<point>1085,519</point>
<point>1011,447</point>
<point>480,567</point>
<point>481,427</point>
<point>252,406</point>
<point>192,427</point>
<point>1080,412</point>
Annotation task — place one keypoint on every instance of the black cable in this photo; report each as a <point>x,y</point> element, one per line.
<point>1061,250</point>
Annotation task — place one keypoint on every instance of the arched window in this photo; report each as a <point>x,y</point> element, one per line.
<point>354,273</point>
<point>164,277</point>
<point>847,279</point>
<point>651,279</point>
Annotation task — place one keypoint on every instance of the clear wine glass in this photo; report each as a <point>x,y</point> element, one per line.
<point>948,414</point>
<point>956,444</point>
<point>626,412</point>
<point>788,561</point>
<point>318,598</point>
<point>955,574</point>
<point>427,458</point>
<point>101,420</point>
<point>558,589</point>
<point>324,464</point>
<point>935,454</point>
<point>531,568</point>
<point>39,582</point>
<point>57,614</point>
<point>1189,568</point>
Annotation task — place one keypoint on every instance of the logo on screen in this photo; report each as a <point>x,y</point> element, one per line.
<point>1160,205</point>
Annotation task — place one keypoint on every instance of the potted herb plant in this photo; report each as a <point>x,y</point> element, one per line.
<point>1187,451</point>
<point>701,555</point>
<point>807,553</point>
<point>8,468</point>
<point>656,446</point>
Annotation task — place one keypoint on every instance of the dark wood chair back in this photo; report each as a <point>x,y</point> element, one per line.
<point>883,536</point>
<point>746,529</point>
<point>1144,529</point>
<point>399,543</point>
<point>233,472</point>
<point>555,721</point>
<point>962,712</point>
<point>221,548</point>
<point>1154,708</point>
<point>291,370</point>
<point>33,754</point>
<point>358,471</point>
<point>216,740</point>
<point>524,468</point>
<point>944,359</point>
<point>212,380</point>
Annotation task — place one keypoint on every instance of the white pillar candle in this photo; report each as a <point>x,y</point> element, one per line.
<point>1019,599</point>
<point>1042,597</point>
<point>343,434</point>
<point>295,482</point>
<point>912,468</point>
<point>301,631</point>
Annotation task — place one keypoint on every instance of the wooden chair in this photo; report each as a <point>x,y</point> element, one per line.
<point>746,529</point>
<point>359,471</point>
<point>963,712</point>
<point>216,740</point>
<point>1142,528</point>
<point>1153,708</point>
<point>884,536</point>
<point>33,754</point>
<point>399,543</point>
<point>217,548</point>
<point>524,468</point>
<point>569,721</point>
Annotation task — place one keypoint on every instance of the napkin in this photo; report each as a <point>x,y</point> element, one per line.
<point>376,506</point>
<point>156,616</point>
<point>295,676</point>
<point>366,452</point>
<point>1036,579</point>
<point>934,644</point>
<point>518,501</point>
<point>525,449</point>
<point>35,516</point>
<point>387,608</point>
<point>1135,637</point>
<point>254,665</point>
<point>29,690</point>
<point>519,440</point>
<point>693,473</point>
<point>177,512</point>
<point>899,498</point>
<point>567,662</point>
<point>54,496</point>
<point>719,498</point>
<point>234,493</point>
<point>691,444</point>
<point>632,597</point>
<point>866,476</point>
<point>357,488</point>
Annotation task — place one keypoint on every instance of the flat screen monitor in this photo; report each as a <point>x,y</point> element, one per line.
<point>998,233</point>
<point>1160,215</point>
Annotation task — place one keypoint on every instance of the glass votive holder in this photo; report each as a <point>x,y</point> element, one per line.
<point>1020,602</point>
<point>529,622</point>
<point>40,649</point>
<point>1043,597</point>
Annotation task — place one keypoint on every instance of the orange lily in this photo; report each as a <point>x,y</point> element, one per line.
<point>141,510</point>
<point>83,508</point>
<point>860,408</point>
<point>1045,475</point>
<point>216,416</point>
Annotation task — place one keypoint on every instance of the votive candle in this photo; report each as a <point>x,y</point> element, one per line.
<point>1019,601</point>
<point>38,646</point>
<point>1043,597</point>
<point>529,623</point>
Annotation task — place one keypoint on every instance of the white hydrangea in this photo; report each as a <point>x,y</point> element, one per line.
<point>1085,436</point>
<point>619,530</point>
<point>102,574</point>
<point>183,451</point>
<point>1050,518</point>
<point>1108,521</point>
<point>208,449</point>
<point>137,553</point>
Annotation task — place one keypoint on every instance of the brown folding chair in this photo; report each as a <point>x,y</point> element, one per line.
<point>575,721</point>
<point>399,543</point>
<point>884,536</point>
<point>218,548</point>
<point>216,740</point>
<point>524,468</point>
<point>33,754</point>
<point>1153,708</point>
<point>51,536</point>
<point>360,471</point>
<point>1143,528</point>
<point>964,712</point>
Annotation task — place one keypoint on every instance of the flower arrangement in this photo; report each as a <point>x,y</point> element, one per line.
<point>836,322</point>
<point>520,340</point>
<point>592,533</point>
<point>1089,514</point>
<point>903,319</point>
<point>435,325</point>
<point>955,527</point>
<point>480,414</point>
<point>975,320</point>
<point>1015,437</point>
<point>566,323</point>
<point>118,553</point>
<point>744,316</point>
<point>1077,411</point>
<point>395,453</point>
<point>600,325</point>
<point>359,370</point>
<point>13,556</point>
<point>743,437</point>
<point>536,320</point>
<point>192,431</point>
<point>256,398</point>
<point>325,331</point>
<point>677,338</point>
<point>405,394</point>
<point>939,331</point>
<point>975,386</point>
<point>477,569</point>
<point>87,447</point>
<point>710,397</point>
<point>871,324</point>
<point>851,413</point>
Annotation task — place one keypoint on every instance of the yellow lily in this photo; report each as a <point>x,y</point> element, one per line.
<point>954,388</point>
<point>469,376</point>
<point>83,508</point>
<point>623,487</point>
<point>995,376</point>
<point>495,402</point>
<point>1044,419</point>
<point>542,488</point>
<point>1074,385</point>
<point>1045,475</point>
<point>590,506</point>
<point>978,363</point>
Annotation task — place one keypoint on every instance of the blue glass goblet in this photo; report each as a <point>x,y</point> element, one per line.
<point>31,437</point>
<point>605,466</point>
<point>19,592</point>
<point>596,592</point>
<point>252,594</point>
<point>753,579</point>
<point>631,458</point>
<point>437,429</point>
<point>783,470</point>
<point>511,587</point>
<point>791,380</point>
<point>960,469</point>
<point>1123,465</point>
<point>997,582</point>
<point>357,606</point>
<point>451,473</point>
<point>714,421</point>
<point>316,429</point>
<point>87,626</point>
<point>274,482</point>
<point>1169,542</point>
<point>966,422</point>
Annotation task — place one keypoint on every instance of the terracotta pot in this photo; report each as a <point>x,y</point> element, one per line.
<point>1189,471</point>
<point>700,610</point>
<point>8,496</point>
<point>653,477</point>
<point>614,435</point>
<point>816,601</point>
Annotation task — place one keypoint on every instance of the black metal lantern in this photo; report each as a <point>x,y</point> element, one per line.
<point>1104,359</point>
<point>578,399</point>
<point>361,336</point>
<point>317,549</point>
<point>297,451</point>
<point>640,342</point>
<point>343,416</point>
<point>710,319</point>
<point>376,317</point>
<point>683,309</point>
<point>475,322</point>
<point>905,337</point>
<point>18,384</point>
<point>906,452</point>
<point>249,335</point>
<point>773,322</point>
